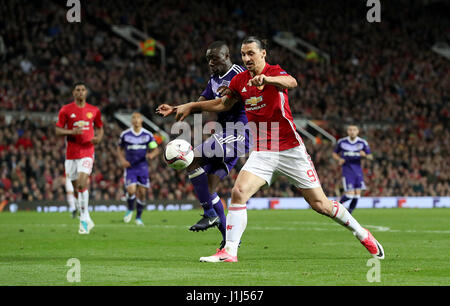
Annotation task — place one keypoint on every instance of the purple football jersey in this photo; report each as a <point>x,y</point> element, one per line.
<point>237,112</point>
<point>136,146</point>
<point>349,150</point>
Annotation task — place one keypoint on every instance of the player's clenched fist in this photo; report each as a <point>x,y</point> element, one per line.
<point>258,80</point>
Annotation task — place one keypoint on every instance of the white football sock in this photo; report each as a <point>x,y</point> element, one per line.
<point>341,215</point>
<point>71,201</point>
<point>83,200</point>
<point>236,224</point>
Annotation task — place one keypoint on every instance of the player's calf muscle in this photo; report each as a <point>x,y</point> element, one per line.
<point>322,207</point>
<point>318,201</point>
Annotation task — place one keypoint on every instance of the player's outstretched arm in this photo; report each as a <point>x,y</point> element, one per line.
<point>282,81</point>
<point>215,106</point>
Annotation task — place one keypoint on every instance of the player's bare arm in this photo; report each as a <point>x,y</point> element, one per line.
<point>166,109</point>
<point>67,132</point>
<point>153,154</point>
<point>122,160</point>
<point>282,82</point>
<point>365,155</point>
<point>215,106</point>
<point>98,136</point>
<point>339,159</point>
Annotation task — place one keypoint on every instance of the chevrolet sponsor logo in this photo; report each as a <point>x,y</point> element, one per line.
<point>82,124</point>
<point>253,100</point>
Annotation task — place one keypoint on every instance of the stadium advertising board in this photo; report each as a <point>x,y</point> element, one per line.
<point>254,203</point>
<point>96,206</point>
<point>364,202</point>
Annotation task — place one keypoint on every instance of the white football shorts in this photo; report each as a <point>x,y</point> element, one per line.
<point>75,166</point>
<point>294,163</point>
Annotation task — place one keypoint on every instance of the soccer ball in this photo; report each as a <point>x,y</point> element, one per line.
<point>179,154</point>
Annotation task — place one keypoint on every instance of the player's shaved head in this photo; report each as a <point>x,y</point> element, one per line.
<point>219,45</point>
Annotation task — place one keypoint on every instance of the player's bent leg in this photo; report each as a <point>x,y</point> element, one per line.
<point>317,199</point>
<point>213,182</point>
<point>246,185</point>
<point>199,179</point>
<point>335,210</point>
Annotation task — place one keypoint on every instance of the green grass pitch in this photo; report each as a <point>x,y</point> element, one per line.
<point>295,247</point>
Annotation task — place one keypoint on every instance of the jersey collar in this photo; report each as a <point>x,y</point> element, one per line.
<point>266,67</point>
<point>231,68</point>
<point>134,133</point>
<point>354,141</point>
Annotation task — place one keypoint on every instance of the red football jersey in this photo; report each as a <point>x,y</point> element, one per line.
<point>268,107</point>
<point>70,116</point>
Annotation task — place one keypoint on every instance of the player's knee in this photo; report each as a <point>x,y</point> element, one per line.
<point>81,185</point>
<point>131,190</point>
<point>239,194</point>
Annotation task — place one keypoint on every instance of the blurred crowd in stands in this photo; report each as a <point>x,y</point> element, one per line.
<point>383,76</point>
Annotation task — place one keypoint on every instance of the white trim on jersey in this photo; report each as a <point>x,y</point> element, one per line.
<point>124,132</point>
<point>283,101</point>
<point>235,68</point>
<point>353,142</point>
<point>363,140</point>
<point>222,76</point>
<point>238,69</point>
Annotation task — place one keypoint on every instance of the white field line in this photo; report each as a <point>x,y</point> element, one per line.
<point>301,226</point>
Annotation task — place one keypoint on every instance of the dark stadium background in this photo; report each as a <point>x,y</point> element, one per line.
<point>383,76</point>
